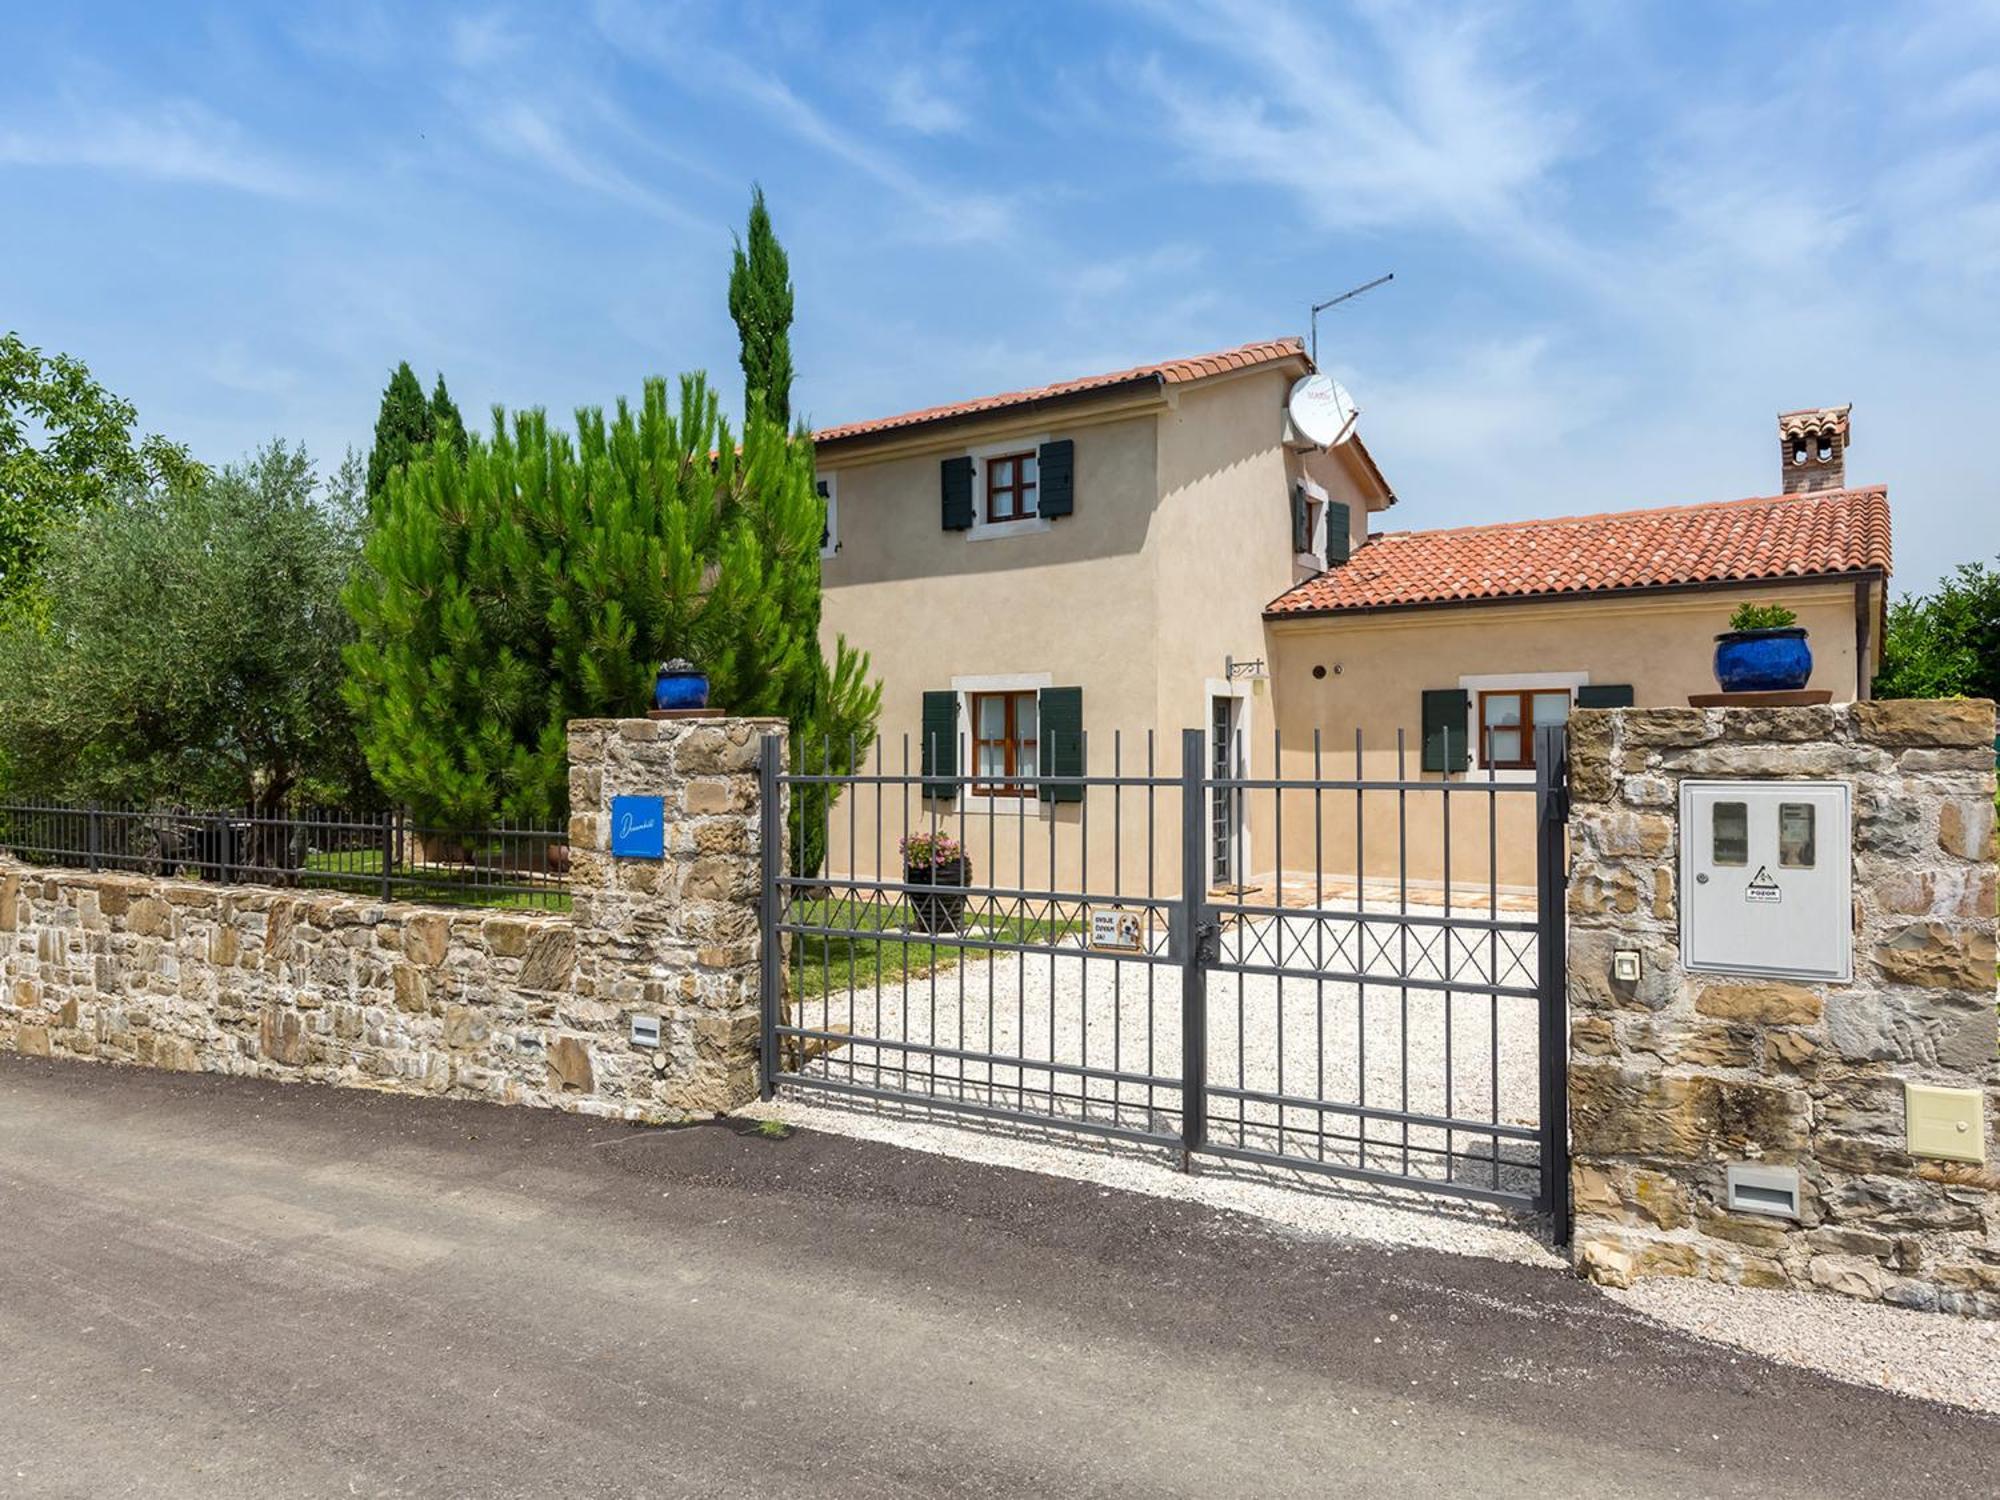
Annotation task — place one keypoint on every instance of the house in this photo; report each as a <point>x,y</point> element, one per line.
<point>1461,640</point>
<point>1061,579</point>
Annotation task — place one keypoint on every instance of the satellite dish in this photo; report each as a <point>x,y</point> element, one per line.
<point>1321,411</point>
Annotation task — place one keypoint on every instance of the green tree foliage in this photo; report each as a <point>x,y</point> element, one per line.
<point>543,579</point>
<point>190,649</point>
<point>760,300</point>
<point>402,429</point>
<point>66,447</point>
<point>407,424</point>
<point>834,734</point>
<point>446,424</point>
<point>1946,644</point>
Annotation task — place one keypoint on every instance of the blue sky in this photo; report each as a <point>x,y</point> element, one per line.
<point>1624,236</point>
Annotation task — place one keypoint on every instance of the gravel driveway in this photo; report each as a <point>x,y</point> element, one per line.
<point>1083,1036</point>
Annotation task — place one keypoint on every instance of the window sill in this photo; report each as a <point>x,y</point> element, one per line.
<point>993,531</point>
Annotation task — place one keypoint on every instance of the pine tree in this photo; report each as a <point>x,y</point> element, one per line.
<point>760,300</point>
<point>403,428</point>
<point>543,578</point>
<point>446,425</point>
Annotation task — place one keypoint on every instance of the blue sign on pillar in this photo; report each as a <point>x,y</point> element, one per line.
<point>639,827</point>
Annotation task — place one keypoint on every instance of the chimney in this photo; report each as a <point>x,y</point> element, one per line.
<point>1812,449</point>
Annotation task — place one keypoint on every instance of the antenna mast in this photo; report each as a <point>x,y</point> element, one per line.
<point>1320,307</point>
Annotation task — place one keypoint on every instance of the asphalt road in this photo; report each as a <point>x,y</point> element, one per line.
<point>218,1288</point>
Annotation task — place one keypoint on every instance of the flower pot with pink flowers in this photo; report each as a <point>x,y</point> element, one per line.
<point>936,860</point>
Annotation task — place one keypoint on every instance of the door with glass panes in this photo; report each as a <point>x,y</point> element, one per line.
<point>1225,741</point>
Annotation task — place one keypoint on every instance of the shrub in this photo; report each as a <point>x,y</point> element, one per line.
<point>1762,617</point>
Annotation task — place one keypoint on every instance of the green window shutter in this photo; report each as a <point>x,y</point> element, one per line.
<point>1059,729</point>
<point>1445,711</point>
<point>1604,695</point>
<point>1301,521</point>
<point>955,481</point>
<point>1337,541</point>
<point>940,748</point>
<point>1055,479</point>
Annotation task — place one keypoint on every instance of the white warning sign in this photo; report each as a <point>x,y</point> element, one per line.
<point>1763,888</point>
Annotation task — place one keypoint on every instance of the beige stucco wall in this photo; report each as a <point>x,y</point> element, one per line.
<point>1181,536</point>
<point>1378,666</point>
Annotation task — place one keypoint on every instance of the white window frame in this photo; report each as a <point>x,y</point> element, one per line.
<point>983,530</point>
<point>832,483</point>
<point>1003,682</point>
<point>1314,559</point>
<point>1502,682</point>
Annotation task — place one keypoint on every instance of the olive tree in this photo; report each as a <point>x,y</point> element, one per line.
<point>188,647</point>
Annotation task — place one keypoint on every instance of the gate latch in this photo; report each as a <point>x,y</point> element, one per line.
<point>1207,936</point>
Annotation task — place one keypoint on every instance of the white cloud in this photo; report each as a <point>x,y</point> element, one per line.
<point>913,99</point>
<point>532,133</point>
<point>177,141</point>
<point>937,211</point>
<point>1412,119</point>
<point>480,40</point>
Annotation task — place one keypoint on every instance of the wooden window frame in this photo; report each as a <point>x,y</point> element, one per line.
<point>1021,493</point>
<point>1014,750</point>
<point>1525,703</point>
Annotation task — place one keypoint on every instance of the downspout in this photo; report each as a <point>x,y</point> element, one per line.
<point>1864,680</point>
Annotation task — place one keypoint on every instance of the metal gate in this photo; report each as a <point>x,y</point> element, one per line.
<point>1371,1001</point>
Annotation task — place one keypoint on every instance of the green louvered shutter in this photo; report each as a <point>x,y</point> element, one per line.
<point>940,748</point>
<point>1604,695</point>
<point>1055,479</point>
<point>1445,711</point>
<point>955,485</point>
<point>1337,541</point>
<point>1059,729</point>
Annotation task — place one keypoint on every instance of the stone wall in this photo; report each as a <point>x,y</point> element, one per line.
<point>1677,1074</point>
<point>514,1007</point>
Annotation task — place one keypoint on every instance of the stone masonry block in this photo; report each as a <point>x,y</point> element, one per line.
<point>1925,722</point>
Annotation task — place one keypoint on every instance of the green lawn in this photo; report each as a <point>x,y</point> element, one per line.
<point>360,871</point>
<point>821,965</point>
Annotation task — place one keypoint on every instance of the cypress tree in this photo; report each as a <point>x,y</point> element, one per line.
<point>446,425</point>
<point>760,300</point>
<point>402,429</point>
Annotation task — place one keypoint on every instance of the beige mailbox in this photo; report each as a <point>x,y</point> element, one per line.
<point>1766,878</point>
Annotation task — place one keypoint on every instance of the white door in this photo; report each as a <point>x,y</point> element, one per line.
<point>1225,749</point>
<point>1764,878</point>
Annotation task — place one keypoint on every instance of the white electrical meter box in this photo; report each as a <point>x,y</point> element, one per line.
<point>1766,878</point>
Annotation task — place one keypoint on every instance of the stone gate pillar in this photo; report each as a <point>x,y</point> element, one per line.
<point>667,916</point>
<point>1675,1076</point>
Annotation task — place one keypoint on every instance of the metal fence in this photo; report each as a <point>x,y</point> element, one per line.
<point>1344,999</point>
<point>385,855</point>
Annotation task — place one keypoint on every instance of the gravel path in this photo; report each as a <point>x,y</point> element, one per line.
<point>1941,1358</point>
<point>1087,1037</point>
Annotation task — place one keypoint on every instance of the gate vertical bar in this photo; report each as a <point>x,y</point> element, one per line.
<point>771,977</point>
<point>1551,911</point>
<point>1194,940</point>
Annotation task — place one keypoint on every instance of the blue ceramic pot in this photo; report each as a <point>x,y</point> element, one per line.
<point>1763,661</point>
<point>680,685</point>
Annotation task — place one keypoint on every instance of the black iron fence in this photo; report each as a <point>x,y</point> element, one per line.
<point>385,855</point>
<point>1340,963</point>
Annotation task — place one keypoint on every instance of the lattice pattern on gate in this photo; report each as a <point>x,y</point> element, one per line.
<point>1372,995</point>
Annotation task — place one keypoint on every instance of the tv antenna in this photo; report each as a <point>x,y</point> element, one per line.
<point>1346,296</point>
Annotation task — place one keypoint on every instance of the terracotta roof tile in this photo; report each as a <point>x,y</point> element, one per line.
<point>1779,536</point>
<point>1167,372</point>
